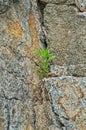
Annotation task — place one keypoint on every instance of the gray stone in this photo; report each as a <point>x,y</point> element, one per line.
<point>78,70</point>
<point>58,1</point>
<point>68,100</point>
<point>27,103</point>
<point>81,4</point>
<point>16,99</point>
<point>65,34</point>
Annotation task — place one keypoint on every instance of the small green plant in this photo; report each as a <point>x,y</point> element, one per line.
<point>45,61</point>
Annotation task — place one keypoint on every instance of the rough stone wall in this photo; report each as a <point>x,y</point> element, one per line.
<point>65,27</point>
<point>20,36</point>
<point>55,103</point>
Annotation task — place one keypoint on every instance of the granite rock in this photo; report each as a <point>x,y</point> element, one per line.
<point>58,1</point>
<point>20,30</point>
<point>59,101</point>
<point>65,34</point>
<point>68,100</point>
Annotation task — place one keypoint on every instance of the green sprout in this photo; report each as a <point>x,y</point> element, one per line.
<point>45,61</point>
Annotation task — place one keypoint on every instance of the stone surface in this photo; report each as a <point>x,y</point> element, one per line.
<point>41,121</point>
<point>65,34</point>
<point>55,103</point>
<point>19,38</point>
<point>68,100</point>
<point>81,4</point>
<point>58,1</point>
<point>73,70</point>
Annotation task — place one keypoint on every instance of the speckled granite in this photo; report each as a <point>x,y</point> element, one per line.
<point>55,103</point>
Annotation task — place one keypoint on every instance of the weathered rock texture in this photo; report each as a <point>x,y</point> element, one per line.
<point>66,32</point>
<point>19,38</point>
<point>59,101</point>
<point>68,101</point>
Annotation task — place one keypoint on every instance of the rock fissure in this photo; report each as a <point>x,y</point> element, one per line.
<point>8,118</point>
<point>41,7</point>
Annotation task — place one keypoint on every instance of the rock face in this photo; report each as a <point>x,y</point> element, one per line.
<point>66,35</point>
<point>59,101</point>
<point>68,100</point>
<point>19,39</point>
